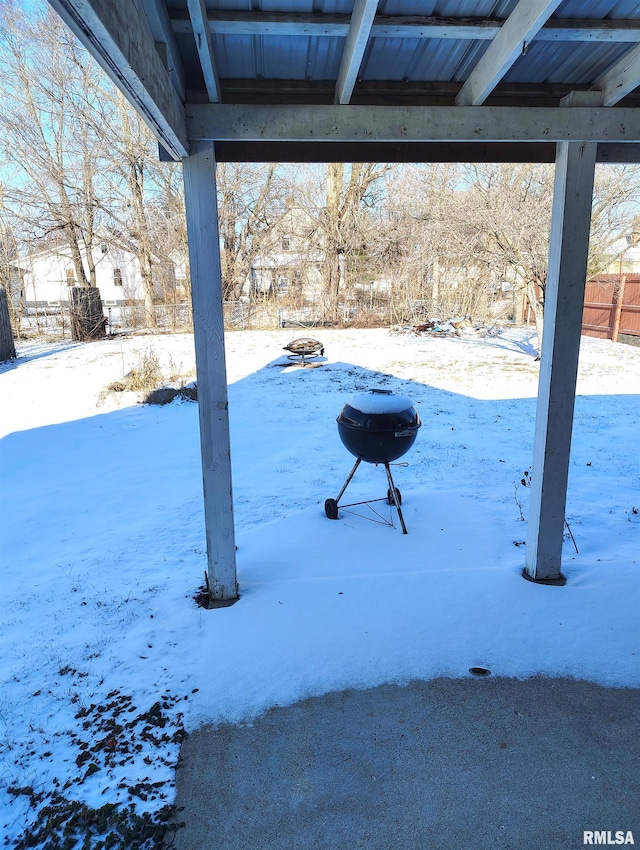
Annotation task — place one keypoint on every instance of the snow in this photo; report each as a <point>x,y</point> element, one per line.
<point>377,402</point>
<point>103,542</point>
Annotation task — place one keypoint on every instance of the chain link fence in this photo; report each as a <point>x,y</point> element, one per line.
<point>368,307</point>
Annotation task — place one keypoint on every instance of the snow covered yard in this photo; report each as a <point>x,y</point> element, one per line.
<point>106,657</point>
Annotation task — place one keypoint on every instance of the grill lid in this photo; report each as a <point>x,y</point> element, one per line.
<point>380,411</point>
<point>379,402</point>
<point>378,426</point>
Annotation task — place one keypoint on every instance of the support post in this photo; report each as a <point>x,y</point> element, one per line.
<point>564,300</point>
<point>199,170</point>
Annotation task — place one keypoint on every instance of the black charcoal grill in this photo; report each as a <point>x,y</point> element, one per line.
<point>378,427</point>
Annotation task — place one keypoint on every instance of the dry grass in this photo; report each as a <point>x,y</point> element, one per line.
<point>149,378</point>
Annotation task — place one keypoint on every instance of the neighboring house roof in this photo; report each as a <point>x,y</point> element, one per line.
<point>622,246</point>
<point>287,260</point>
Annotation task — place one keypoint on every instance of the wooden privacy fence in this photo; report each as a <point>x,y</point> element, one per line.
<point>612,306</point>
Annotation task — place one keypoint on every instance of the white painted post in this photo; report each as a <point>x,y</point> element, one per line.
<point>199,170</point>
<point>564,299</point>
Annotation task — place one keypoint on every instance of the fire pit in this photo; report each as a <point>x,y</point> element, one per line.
<point>377,427</point>
<point>304,347</point>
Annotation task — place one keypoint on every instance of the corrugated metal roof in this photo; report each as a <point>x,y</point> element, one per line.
<point>448,8</point>
<point>316,54</point>
<point>600,9</point>
<point>418,60</point>
<point>273,57</point>
<point>404,53</point>
<point>314,58</point>
<point>578,63</point>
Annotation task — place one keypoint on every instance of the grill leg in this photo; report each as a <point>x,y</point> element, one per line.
<point>346,483</point>
<point>392,488</point>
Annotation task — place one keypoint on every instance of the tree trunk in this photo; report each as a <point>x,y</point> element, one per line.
<point>87,317</point>
<point>7,347</point>
<point>135,178</point>
<point>335,174</point>
<point>532,292</point>
<point>76,256</point>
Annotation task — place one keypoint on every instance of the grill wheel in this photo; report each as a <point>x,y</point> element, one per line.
<point>390,496</point>
<point>331,508</point>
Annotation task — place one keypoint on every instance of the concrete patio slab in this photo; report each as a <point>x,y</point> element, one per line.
<point>471,764</point>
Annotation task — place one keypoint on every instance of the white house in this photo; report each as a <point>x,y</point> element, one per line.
<point>291,261</point>
<point>49,273</point>
<point>626,252</point>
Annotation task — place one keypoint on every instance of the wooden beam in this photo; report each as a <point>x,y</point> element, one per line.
<point>518,30</point>
<point>413,26</point>
<point>409,152</point>
<point>410,124</point>
<point>557,29</point>
<point>160,23</point>
<point>121,41</point>
<point>561,29</point>
<point>312,24</point>
<point>208,334</point>
<point>400,93</point>
<point>384,152</point>
<point>359,30</point>
<point>619,153</point>
<point>202,35</point>
<point>223,22</point>
<point>621,79</point>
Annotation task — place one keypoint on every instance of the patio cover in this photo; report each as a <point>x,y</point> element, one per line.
<point>381,80</point>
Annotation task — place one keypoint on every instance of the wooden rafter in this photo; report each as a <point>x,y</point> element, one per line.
<point>621,79</point>
<point>158,17</point>
<point>223,22</point>
<point>202,35</point>
<point>359,30</point>
<point>521,26</point>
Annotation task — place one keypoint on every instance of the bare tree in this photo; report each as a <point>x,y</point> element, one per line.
<point>166,220</point>
<point>86,171</point>
<point>10,280</point>
<point>616,205</point>
<point>134,152</point>
<point>448,236</point>
<point>131,150</point>
<point>48,80</point>
<point>349,190</point>
<point>441,235</point>
<point>505,215</point>
<point>249,200</point>
<point>414,244</point>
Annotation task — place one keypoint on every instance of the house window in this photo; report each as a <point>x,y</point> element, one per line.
<point>71,278</point>
<point>117,277</point>
<point>285,243</point>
